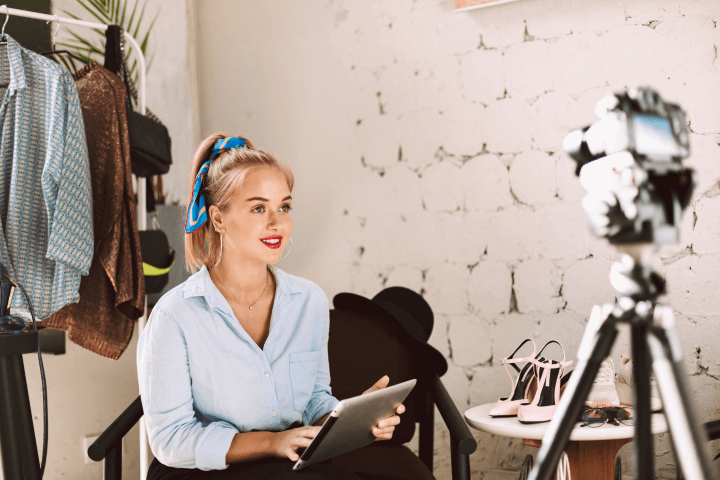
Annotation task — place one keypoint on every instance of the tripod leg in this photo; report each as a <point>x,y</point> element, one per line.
<point>689,438</point>
<point>597,340</point>
<point>643,444</point>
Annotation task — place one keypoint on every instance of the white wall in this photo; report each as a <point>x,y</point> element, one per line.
<point>86,392</point>
<point>426,149</point>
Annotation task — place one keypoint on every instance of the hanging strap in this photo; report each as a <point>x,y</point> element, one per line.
<point>113,53</point>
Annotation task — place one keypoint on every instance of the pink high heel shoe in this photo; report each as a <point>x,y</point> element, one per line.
<point>520,390</point>
<point>547,396</point>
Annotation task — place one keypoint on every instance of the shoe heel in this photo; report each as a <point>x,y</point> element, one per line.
<point>549,374</point>
<point>508,406</point>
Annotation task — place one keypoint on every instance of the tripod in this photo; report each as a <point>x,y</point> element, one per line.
<point>653,334</point>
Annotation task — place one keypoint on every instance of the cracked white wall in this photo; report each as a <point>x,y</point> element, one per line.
<point>427,151</point>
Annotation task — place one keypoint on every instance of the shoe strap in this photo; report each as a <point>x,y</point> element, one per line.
<point>549,365</point>
<point>552,365</point>
<point>512,361</point>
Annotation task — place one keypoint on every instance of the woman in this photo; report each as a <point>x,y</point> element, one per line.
<point>233,364</point>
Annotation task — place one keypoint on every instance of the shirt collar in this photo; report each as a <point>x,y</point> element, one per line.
<point>200,284</point>
<point>16,66</point>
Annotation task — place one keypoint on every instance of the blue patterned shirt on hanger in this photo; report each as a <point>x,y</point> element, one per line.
<point>46,228</point>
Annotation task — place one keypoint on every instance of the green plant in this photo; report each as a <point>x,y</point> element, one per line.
<point>111,12</point>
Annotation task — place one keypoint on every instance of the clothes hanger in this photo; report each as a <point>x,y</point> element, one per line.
<point>57,52</point>
<point>3,37</point>
<point>4,41</point>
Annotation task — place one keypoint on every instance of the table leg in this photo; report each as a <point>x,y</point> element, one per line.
<point>591,460</point>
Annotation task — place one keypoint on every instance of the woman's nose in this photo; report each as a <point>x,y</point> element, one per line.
<point>273,219</point>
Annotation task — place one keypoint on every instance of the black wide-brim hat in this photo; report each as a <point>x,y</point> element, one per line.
<point>409,310</point>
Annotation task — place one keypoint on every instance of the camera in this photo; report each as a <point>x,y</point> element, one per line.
<point>629,161</point>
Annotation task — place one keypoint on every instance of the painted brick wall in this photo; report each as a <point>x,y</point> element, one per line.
<point>438,137</point>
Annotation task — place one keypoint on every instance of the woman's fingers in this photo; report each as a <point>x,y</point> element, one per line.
<point>302,442</point>
<point>400,408</point>
<point>309,431</point>
<point>383,431</point>
<point>379,385</point>
<point>386,422</point>
<point>385,428</point>
<point>292,455</point>
<point>386,436</point>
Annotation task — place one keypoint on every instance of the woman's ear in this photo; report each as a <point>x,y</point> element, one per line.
<point>215,217</point>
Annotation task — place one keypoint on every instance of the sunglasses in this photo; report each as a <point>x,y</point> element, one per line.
<point>597,417</point>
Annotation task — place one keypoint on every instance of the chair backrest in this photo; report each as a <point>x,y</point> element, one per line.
<point>362,348</point>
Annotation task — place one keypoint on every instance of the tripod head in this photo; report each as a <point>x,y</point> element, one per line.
<point>629,161</point>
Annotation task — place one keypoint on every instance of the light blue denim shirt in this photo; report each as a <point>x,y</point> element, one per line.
<point>203,378</point>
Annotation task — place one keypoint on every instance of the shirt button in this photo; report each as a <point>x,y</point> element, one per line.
<point>267,375</point>
<point>273,413</point>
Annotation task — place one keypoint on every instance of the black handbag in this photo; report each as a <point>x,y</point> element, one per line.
<point>150,152</point>
<point>150,144</point>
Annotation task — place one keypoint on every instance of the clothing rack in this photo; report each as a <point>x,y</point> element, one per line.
<point>141,204</point>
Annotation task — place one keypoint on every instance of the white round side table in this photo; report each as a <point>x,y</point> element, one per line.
<point>591,451</point>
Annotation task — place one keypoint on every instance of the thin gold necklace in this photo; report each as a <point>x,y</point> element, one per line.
<point>231,293</point>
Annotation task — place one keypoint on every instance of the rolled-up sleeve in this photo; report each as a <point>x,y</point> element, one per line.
<point>176,437</point>
<point>322,400</point>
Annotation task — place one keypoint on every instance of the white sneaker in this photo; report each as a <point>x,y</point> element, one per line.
<point>624,386</point>
<point>603,392</point>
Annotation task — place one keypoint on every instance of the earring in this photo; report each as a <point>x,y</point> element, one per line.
<point>288,252</point>
<point>219,256</point>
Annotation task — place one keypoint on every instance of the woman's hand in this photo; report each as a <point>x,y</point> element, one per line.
<point>385,427</point>
<point>287,443</point>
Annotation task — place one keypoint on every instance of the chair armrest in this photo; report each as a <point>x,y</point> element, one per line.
<point>459,430</point>
<point>114,434</point>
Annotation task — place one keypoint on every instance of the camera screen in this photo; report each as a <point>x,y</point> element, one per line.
<point>654,137</point>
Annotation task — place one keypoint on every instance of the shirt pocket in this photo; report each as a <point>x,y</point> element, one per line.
<point>303,370</point>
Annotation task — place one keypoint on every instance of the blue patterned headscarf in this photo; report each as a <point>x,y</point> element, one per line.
<point>197,215</point>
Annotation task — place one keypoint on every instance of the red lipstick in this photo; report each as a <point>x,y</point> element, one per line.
<point>274,245</point>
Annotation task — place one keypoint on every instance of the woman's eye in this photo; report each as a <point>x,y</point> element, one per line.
<point>286,207</point>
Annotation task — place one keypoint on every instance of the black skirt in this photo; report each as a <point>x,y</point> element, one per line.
<point>263,469</point>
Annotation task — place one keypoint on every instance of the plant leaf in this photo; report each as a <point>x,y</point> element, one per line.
<point>122,17</point>
<point>143,45</point>
<point>113,12</point>
<point>97,10</point>
<point>79,48</point>
<point>81,39</point>
<point>71,15</point>
<point>92,12</point>
<point>142,14</point>
<point>67,63</point>
<point>99,7</point>
<point>132,15</point>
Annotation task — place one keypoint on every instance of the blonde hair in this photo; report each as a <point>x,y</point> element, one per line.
<point>224,178</point>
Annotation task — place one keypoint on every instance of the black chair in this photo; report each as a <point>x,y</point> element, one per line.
<point>361,349</point>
